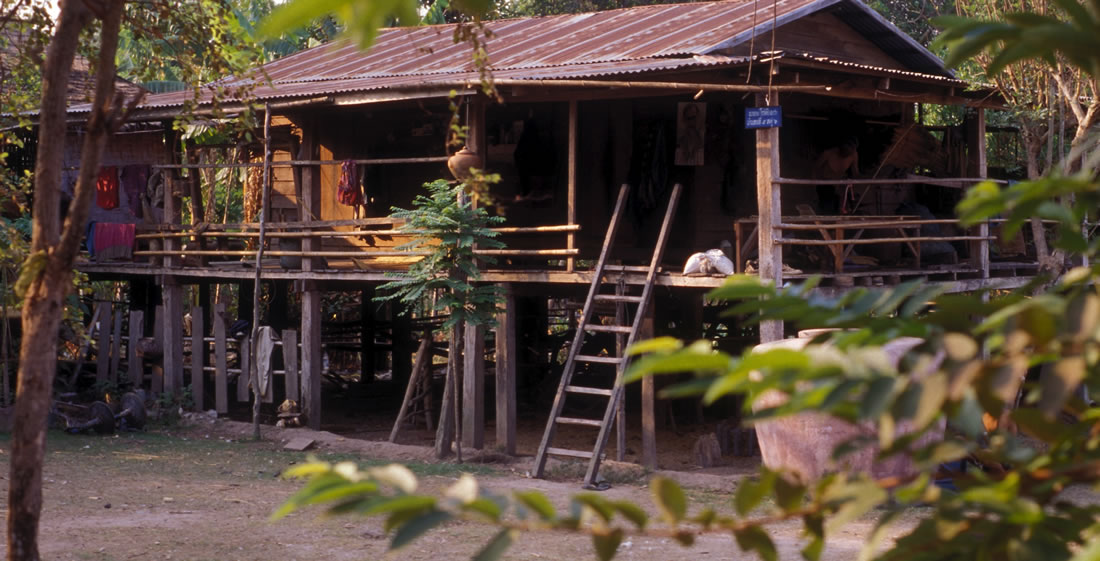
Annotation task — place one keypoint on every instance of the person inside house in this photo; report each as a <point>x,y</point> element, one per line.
<point>838,162</point>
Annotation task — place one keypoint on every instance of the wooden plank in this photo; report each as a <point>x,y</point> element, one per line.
<point>310,203</point>
<point>116,345</point>
<point>977,166</point>
<point>135,371</point>
<point>172,294</point>
<point>505,383</point>
<point>156,385</point>
<point>649,399</point>
<point>221,374</point>
<point>420,366</point>
<point>198,357</point>
<point>311,357</point>
<point>290,364</point>
<point>571,182</point>
<point>246,374</point>
<point>769,212</point>
<point>473,388</point>
<point>103,344</point>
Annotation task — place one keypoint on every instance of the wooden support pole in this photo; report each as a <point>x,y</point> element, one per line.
<point>448,411</point>
<point>103,343</point>
<point>156,385</point>
<point>473,388</point>
<point>506,333</point>
<point>421,367</point>
<point>172,324</point>
<point>571,183</point>
<point>366,335</point>
<point>245,376</point>
<point>135,371</point>
<point>198,357</point>
<point>116,345</point>
<point>290,364</point>
<point>311,355</point>
<point>221,370</point>
<point>977,167</point>
<point>649,399</point>
<point>769,211</point>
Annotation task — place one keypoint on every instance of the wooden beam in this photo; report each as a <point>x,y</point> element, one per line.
<point>445,431</point>
<point>156,385</point>
<point>245,377</point>
<point>649,398</point>
<point>421,367</point>
<point>311,355</point>
<point>290,365</point>
<point>977,166</point>
<point>769,211</point>
<point>172,295</point>
<point>505,383</point>
<point>198,357</point>
<point>103,344</point>
<point>571,183</point>
<point>134,369</point>
<point>309,205</point>
<point>221,373</point>
<point>116,345</point>
<point>473,388</point>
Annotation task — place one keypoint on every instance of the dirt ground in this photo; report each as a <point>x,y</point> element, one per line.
<point>205,491</point>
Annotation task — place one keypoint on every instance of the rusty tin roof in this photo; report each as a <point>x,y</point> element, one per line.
<point>640,40</point>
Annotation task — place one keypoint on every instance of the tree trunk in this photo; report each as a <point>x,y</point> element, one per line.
<point>53,252</point>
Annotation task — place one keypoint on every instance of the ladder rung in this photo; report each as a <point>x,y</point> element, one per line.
<point>618,298</point>
<point>567,452</point>
<point>588,390</point>
<point>600,359</point>
<point>608,328</point>
<point>627,268</point>
<point>579,421</point>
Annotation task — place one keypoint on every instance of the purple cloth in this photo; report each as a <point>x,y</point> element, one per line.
<point>134,179</point>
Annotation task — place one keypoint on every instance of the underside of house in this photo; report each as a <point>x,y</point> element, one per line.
<point>790,137</point>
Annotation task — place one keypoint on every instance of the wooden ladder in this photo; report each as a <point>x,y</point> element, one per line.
<point>604,291</point>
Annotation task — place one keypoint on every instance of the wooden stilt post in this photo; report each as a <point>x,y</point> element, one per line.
<point>769,211</point>
<point>311,355</point>
<point>103,343</point>
<point>245,377</point>
<point>310,210</point>
<point>156,385</point>
<point>649,399</point>
<point>221,373</point>
<point>172,324</point>
<point>473,388</point>
<point>421,368</point>
<point>571,183</point>
<point>135,370</point>
<point>506,373</point>
<point>290,364</point>
<point>198,357</point>
<point>116,346</point>
<point>977,167</point>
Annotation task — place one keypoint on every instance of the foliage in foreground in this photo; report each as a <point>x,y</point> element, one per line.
<point>1010,507</point>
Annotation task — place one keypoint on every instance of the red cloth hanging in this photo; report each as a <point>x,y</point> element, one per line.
<point>106,188</point>
<point>348,191</point>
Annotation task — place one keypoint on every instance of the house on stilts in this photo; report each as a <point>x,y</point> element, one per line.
<point>789,135</point>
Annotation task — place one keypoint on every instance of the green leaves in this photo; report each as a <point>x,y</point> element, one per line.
<point>669,498</point>
<point>361,18</point>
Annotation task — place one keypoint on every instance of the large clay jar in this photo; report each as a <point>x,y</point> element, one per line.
<point>804,443</point>
<point>461,162</point>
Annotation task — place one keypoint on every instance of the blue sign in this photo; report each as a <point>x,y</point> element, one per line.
<point>763,117</point>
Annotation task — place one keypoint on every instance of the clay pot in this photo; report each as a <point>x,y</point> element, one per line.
<point>461,162</point>
<point>804,443</point>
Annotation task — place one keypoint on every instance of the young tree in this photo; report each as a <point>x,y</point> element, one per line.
<point>46,275</point>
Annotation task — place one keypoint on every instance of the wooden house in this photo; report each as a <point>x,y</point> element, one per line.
<point>748,113</point>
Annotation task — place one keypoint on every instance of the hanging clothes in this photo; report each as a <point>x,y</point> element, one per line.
<point>113,241</point>
<point>134,180</point>
<point>106,188</point>
<point>348,192</point>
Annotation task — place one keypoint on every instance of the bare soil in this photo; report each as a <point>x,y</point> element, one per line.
<point>206,491</point>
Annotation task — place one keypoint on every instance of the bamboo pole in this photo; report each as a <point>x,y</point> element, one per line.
<point>789,241</point>
<point>292,163</point>
<point>254,371</point>
<point>948,181</point>
<point>350,233</point>
<point>356,254</point>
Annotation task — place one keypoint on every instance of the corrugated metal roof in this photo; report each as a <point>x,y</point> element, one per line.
<point>615,42</point>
